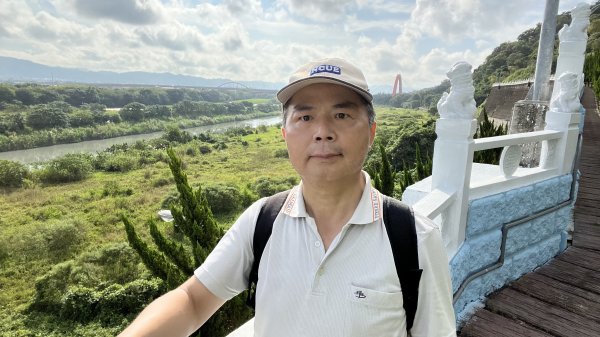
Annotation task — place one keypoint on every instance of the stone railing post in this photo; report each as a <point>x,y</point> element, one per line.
<point>565,106</point>
<point>573,42</point>
<point>453,152</point>
<point>563,116</point>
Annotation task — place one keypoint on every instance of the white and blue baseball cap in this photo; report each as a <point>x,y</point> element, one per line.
<point>329,70</point>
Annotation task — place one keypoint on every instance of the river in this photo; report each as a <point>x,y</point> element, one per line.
<point>45,153</point>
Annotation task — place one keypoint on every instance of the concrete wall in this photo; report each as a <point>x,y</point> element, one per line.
<point>528,245</point>
<point>500,102</point>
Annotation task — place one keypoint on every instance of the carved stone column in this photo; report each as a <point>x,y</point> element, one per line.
<point>453,151</point>
<point>563,116</point>
<point>573,41</point>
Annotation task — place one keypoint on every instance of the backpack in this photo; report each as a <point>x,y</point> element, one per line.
<point>399,223</point>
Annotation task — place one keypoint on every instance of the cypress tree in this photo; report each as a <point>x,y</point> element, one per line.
<point>487,128</point>
<point>386,174</point>
<point>172,261</point>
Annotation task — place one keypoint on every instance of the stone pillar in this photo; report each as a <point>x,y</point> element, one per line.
<point>528,116</point>
<point>573,41</point>
<point>563,116</point>
<point>453,151</point>
<point>565,106</point>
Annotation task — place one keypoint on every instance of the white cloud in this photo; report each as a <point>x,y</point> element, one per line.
<point>136,12</point>
<point>318,10</point>
<point>254,40</point>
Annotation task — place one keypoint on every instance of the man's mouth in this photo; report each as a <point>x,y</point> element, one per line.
<point>325,155</point>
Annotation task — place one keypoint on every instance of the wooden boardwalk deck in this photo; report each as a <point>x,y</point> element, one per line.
<point>561,298</point>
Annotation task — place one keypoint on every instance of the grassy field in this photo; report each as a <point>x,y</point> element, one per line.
<point>42,226</point>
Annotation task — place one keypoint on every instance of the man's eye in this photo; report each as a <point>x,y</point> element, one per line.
<point>341,115</point>
<point>305,118</point>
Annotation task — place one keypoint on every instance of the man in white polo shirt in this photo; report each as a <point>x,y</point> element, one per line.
<point>328,268</point>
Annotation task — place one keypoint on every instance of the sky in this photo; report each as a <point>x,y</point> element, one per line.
<point>253,40</point>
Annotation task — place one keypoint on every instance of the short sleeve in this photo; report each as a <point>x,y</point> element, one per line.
<point>225,271</point>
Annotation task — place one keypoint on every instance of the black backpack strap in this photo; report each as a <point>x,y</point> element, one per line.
<point>262,232</point>
<point>399,223</point>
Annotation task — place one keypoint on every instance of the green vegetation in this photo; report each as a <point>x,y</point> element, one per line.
<point>37,115</point>
<point>487,128</point>
<point>67,267</point>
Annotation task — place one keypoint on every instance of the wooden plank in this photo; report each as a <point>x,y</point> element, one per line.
<point>586,203</point>
<point>582,257</point>
<point>561,295</point>
<point>571,274</point>
<point>586,241</point>
<point>588,193</point>
<point>587,229</point>
<point>542,315</point>
<point>586,209</point>
<point>488,324</point>
<point>547,281</point>
<point>587,219</point>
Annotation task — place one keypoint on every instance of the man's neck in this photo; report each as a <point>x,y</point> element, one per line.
<point>332,204</point>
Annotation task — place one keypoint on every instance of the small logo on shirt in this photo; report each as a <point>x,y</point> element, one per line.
<point>359,294</point>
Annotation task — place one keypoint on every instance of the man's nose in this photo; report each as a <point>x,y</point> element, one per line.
<point>324,131</point>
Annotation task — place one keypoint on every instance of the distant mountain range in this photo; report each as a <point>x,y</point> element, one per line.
<point>17,70</point>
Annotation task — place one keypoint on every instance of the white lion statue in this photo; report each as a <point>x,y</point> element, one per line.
<point>459,104</point>
<point>567,99</point>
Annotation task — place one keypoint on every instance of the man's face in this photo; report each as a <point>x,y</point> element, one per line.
<point>327,133</point>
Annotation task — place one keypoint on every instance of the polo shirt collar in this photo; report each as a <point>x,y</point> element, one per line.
<point>367,211</point>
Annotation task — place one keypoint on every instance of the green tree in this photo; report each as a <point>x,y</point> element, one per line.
<point>487,128</point>
<point>133,112</point>
<point>386,175</point>
<point>196,234</point>
<point>68,168</point>
<point>7,93</point>
<point>12,173</point>
<point>25,95</point>
<point>45,116</point>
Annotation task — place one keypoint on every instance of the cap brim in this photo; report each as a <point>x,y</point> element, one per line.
<point>289,90</point>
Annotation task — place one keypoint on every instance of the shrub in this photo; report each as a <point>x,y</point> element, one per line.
<point>70,167</point>
<point>129,298</point>
<point>223,198</point>
<point>204,149</point>
<point>281,153</point>
<point>118,162</point>
<point>62,239</point>
<point>220,146</point>
<point>174,134</point>
<point>12,173</point>
<point>50,288</point>
<point>81,118</point>
<point>109,116</point>
<point>134,112</point>
<point>113,189</point>
<point>266,186</point>
<point>79,304</point>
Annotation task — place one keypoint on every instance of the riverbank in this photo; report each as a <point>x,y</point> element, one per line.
<point>42,154</point>
<point>43,138</point>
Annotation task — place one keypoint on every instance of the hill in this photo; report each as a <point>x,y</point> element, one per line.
<point>17,70</point>
<point>514,60</point>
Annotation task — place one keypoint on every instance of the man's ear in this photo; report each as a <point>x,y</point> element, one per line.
<point>283,132</point>
<point>372,130</point>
